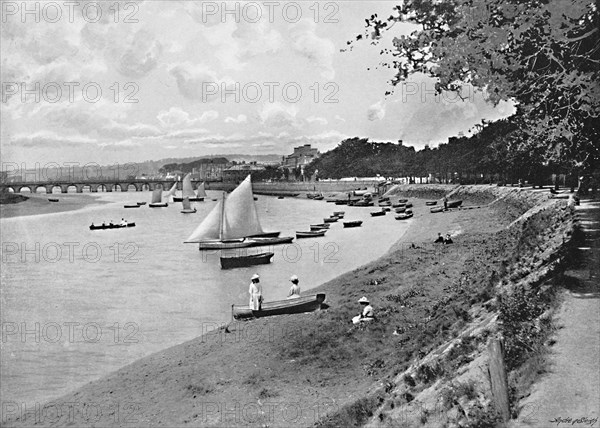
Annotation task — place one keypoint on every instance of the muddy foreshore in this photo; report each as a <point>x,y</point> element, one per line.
<point>318,368</point>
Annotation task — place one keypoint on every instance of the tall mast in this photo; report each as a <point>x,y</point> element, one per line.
<point>221,220</point>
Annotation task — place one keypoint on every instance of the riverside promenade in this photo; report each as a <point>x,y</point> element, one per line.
<point>569,395</point>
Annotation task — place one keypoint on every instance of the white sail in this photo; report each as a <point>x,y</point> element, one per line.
<point>240,217</point>
<point>186,203</point>
<point>201,191</point>
<point>172,191</point>
<point>209,229</point>
<point>188,190</point>
<point>157,195</point>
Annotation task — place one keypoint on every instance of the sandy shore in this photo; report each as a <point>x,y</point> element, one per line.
<point>299,370</point>
<point>37,204</point>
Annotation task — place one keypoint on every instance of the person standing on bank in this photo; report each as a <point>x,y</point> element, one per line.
<point>295,289</point>
<point>255,291</point>
<point>445,203</point>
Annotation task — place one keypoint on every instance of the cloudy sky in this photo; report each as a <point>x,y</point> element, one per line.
<point>135,81</point>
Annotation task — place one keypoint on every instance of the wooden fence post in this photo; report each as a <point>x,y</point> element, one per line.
<point>498,379</point>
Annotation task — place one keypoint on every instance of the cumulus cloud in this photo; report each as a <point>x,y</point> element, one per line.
<point>241,118</point>
<point>196,82</point>
<point>315,119</point>
<point>141,56</point>
<point>376,111</point>
<point>318,50</point>
<point>277,115</point>
<point>45,139</point>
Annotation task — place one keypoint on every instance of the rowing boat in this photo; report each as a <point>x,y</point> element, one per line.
<point>243,261</point>
<point>355,223</point>
<point>281,307</point>
<point>311,234</point>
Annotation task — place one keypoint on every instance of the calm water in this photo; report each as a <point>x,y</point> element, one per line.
<point>85,303</point>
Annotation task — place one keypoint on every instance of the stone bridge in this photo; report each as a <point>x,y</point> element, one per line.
<point>91,186</point>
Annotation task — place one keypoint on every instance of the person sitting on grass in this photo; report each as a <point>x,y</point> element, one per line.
<point>367,313</point>
<point>295,289</point>
<point>439,239</point>
<point>448,239</point>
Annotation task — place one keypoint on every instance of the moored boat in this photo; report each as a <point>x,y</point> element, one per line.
<point>404,216</point>
<point>141,203</point>
<point>377,213</point>
<point>320,226</point>
<point>354,223</point>
<point>330,220</point>
<point>400,210</point>
<point>188,191</point>
<point>131,206</point>
<point>281,307</point>
<point>311,234</point>
<point>52,200</point>
<point>157,199</point>
<point>234,223</point>
<point>437,210</point>
<point>243,261</point>
<point>339,213</point>
<point>187,206</point>
<point>399,204</point>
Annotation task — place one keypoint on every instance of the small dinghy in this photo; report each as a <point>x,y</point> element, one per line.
<point>244,261</point>
<point>311,234</point>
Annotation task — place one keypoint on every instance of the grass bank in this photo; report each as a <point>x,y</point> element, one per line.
<point>435,307</point>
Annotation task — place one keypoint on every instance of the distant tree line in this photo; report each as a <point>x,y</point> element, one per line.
<point>482,158</point>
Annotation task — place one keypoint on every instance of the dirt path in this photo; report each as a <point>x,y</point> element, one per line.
<point>570,394</point>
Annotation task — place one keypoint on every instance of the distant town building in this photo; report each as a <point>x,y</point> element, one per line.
<point>237,173</point>
<point>302,156</point>
<point>209,171</point>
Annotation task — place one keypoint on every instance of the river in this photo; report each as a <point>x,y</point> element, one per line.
<point>77,304</point>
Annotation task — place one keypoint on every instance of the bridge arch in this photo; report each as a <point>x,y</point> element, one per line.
<point>145,186</point>
<point>29,189</point>
<point>38,188</point>
<point>9,189</point>
<point>87,188</point>
<point>71,188</point>
<point>55,189</point>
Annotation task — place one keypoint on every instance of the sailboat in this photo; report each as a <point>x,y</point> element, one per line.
<point>157,199</point>
<point>171,191</point>
<point>187,206</point>
<point>201,192</point>
<point>234,223</point>
<point>188,191</point>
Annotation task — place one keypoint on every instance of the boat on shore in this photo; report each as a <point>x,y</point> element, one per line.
<point>339,214</point>
<point>157,199</point>
<point>111,226</point>
<point>244,261</point>
<point>280,307</point>
<point>311,234</point>
<point>377,213</point>
<point>330,219</point>
<point>363,203</point>
<point>131,206</point>
<point>354,223</point>
<point>404,216</point>
<point>454,204</point>
<point>430,203</point>
<point>436,210</point>
<point>400,210</point>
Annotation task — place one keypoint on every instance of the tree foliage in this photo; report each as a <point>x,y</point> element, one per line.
<point>541,54</point>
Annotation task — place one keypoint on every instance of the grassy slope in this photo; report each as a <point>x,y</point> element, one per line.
<point>293,370</point>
